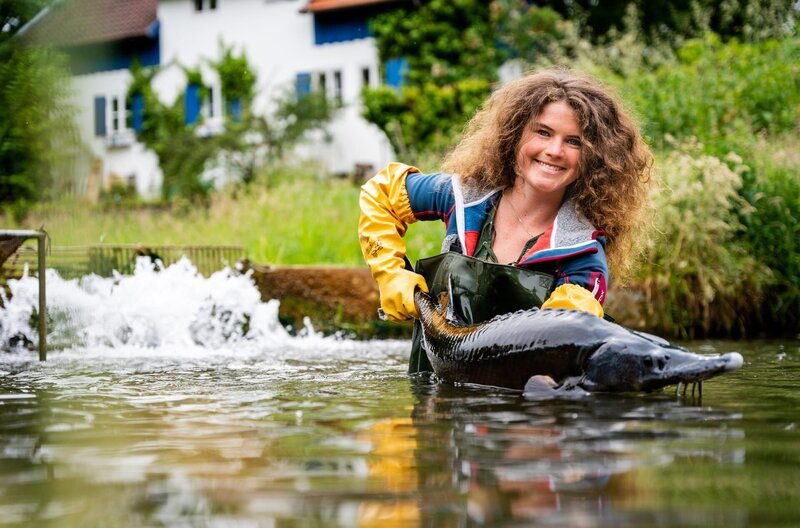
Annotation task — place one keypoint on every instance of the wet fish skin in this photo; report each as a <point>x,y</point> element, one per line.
<point>566,345</point>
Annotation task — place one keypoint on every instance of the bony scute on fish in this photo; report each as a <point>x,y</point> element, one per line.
<point>576,349</point>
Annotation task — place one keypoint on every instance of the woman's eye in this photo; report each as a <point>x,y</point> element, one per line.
<point>574,142</point>
<point>542,132</point>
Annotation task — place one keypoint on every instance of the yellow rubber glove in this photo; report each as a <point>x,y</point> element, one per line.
<point>574,297</point>
<point>385,215</point>
<point>397,294</point>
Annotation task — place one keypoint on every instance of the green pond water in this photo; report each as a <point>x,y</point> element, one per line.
<point>321,432</point>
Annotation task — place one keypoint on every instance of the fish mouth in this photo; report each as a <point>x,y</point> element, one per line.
<point>691,368</point>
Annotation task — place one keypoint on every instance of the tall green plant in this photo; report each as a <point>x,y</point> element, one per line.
<point>237,79</point>
<point>699,279</point>
<point>452,56</point>
<point>718,90</point>
<point>244,143</point>
<point>772,235</point>
<point>38,136</point>
<point>182,154</point>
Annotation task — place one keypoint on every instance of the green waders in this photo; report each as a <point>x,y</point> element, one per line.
<point>480,290</point>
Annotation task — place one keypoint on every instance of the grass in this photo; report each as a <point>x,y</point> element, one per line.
<point>288,217</point>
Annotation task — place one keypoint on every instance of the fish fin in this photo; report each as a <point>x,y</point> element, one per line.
<point>542,387</point>
<point>423,302</point>
<point>450,311</point>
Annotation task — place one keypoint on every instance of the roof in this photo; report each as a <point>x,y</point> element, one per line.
<point>319,6</point>
<point>76,22</point>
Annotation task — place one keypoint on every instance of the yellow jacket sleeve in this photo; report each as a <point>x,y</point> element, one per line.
<point>574,297</point>
<point>385,215</point>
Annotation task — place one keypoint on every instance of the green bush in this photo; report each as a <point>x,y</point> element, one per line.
<point>38,138</point>
<point>698,277</point>
<point>420,120</point>
<point>718,91</point>
<point>772,235</point>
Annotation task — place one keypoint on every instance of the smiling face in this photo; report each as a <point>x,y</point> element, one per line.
<point>550,150</point>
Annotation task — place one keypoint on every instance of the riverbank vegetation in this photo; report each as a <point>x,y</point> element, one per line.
<point>718,100</point>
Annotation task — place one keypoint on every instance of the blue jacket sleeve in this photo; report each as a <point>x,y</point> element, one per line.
<point>431,196</point>
<point>589,271</point>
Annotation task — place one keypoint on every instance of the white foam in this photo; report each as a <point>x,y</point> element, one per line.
<point>173,311</point>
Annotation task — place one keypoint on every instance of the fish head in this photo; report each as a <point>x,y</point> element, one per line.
<point>636,363</point>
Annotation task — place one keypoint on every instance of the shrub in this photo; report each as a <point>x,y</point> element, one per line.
<point>771,187</point>
<point>717,91</point>
<point>697,277</point>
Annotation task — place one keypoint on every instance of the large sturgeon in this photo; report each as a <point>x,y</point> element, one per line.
<point>569,346</point>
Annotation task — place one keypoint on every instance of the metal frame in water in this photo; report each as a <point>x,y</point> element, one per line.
<point>41,237</point>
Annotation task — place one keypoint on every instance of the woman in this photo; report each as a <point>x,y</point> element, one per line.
<point>551,175</point>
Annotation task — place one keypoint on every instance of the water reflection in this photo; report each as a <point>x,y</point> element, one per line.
<point>336,434</point>
<point>555,462</point>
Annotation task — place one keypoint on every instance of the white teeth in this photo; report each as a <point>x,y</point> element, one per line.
<point>548,166</point>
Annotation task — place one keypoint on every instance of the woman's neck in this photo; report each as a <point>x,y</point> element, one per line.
<point>519,217</point>
<point>536,210</point>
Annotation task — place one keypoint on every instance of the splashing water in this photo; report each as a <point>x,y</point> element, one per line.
<point>174,309</point>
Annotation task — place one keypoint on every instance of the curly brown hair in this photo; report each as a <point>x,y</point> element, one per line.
<point>611,190</point>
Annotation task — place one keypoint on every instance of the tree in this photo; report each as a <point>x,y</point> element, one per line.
<point>748,19</point>
<point>246,139</point>
<point>453,50</point>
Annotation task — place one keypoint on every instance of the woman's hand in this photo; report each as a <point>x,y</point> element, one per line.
<point>397,294</point>
<point>574,297</point>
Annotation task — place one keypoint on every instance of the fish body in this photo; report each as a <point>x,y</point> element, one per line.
<point>567,345</point>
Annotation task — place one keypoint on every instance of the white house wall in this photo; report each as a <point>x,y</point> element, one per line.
<point>130,161</point>
<point>279,43</point>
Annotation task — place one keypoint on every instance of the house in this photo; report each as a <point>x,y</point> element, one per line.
<point>304,44</point>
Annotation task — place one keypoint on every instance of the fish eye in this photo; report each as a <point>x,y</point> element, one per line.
<point>648,362</point>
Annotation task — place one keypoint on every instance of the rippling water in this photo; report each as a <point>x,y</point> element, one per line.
<point>141,425</point>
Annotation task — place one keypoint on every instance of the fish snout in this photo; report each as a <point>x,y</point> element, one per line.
<point>734,361</point>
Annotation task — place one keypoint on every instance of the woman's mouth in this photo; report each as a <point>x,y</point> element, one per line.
<point>549,167</point>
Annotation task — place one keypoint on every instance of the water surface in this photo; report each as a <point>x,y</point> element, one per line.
<point>142,424</point>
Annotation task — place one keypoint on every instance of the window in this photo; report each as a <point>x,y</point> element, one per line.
<point>112,118</point>
<point>337,86</point>
<point>212,106</point>
<point>200,5</point>
<point>302,84</point>
<point>321,82</point>
<point>209,103</point>
<point>328,83</point>
<point>115,114</point>
<point>365,77</point>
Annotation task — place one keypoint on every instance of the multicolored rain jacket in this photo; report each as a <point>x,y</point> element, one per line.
<point>571,248</point>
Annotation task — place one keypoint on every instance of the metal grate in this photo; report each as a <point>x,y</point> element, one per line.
<point>76,261</point>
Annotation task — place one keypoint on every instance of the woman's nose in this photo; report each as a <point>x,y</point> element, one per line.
<point>555,147</point>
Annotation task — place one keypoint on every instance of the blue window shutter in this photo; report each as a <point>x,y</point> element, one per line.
<point>192,104</point>
<point>99,116</point>
<point>396,70</point>
<point>303,84</point>
<point>235,110</point>
<point>137,112</point>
